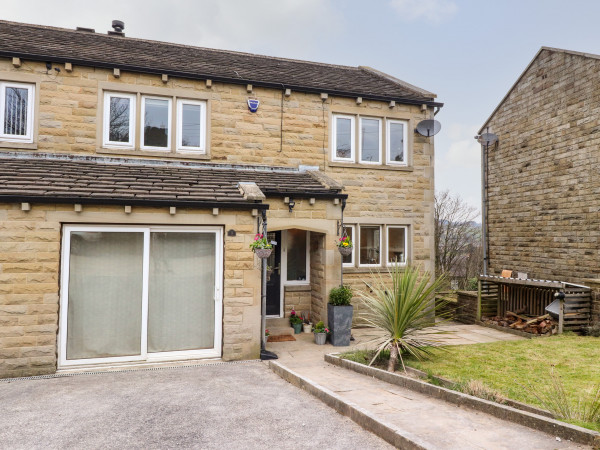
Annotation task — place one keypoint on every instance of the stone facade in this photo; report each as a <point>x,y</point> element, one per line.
<point>286,131</point>
<point>543,189</point>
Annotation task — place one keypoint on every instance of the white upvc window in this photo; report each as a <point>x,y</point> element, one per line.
<point>155,123</point>
<point>16,112</point>
<point>343,138</point>
<point>369,253</point>
<point>349,261</point>
<point>396,138</point>
<point>370,140</point>
<point>119,120</point>
<point>191,126</point>
<point>397,245</point>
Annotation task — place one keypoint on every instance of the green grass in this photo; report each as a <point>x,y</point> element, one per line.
<point>510,368</point>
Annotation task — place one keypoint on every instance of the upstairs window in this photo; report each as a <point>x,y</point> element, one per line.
<point>396,141</point>
<point>191,132</point>
<point>16,112</point>
<point>343,138</point>
<point>119,120</point>
<point>370,141</point>
<point>156,123</point>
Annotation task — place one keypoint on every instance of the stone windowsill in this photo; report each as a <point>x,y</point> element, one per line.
<point>371,166</point>
<point>169,154</point>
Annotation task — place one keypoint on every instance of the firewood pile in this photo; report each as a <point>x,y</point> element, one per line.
<point>535,325</point>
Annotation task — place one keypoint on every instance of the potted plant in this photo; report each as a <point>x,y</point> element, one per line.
<point>306,325</point>
<point>267,334</point>
<point>339,315</point>
<point>344,245</point>
<point>296,322</point>
<point>261,247</point>
<point>321,332</point>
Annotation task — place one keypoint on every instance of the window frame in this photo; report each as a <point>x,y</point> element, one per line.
<point>106,142</point>
<point>179,146</point>
<point>360,138</point>
<point>28,137</point>
<point>352,263</point>
<point>145,356</point>
<point>334,156</point>
<point>142,116</point>
<point>369,225</point>
<point>388,141</point>
<point>284,262</point>
<point>387,249</point>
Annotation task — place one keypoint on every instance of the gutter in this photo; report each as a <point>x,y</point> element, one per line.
<point>242,81</point>
<point>130,202</point>
<point>306,194</point>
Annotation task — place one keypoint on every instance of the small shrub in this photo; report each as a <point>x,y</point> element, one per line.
<point>555,399</point>
<point>471,284</point>
<point>340,296</point>
<point>320,328</point>
<point>478,389</point>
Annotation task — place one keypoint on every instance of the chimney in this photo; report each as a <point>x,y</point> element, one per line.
<point>118,27</point>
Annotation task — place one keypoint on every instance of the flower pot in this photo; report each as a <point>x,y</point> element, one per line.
<point>263,253</point>
<point>307,327</point>
<point>297,328</point>
<point>320,338</point>
<point>339,320</point>
<point>345,251</point>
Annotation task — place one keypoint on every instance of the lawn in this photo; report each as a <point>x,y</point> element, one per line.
<point>511,368</point>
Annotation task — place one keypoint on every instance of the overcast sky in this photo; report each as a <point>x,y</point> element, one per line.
<point>469,52</point>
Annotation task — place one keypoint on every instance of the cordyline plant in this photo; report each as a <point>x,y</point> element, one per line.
<point>401,306</point>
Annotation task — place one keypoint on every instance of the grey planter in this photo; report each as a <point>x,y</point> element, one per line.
<point>339,319</point>
<point>320,338</point>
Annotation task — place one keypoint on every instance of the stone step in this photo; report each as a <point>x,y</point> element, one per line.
<point>280,331</point>
<point>278,322</point>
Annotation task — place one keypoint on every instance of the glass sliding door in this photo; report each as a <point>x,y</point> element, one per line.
<point>140,293</point>
<point>105,294</point>
<point>181,295</point>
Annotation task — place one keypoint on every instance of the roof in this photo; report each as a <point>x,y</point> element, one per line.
<point>516,83</point>
<point>43,43</point>
<point>51,178</point>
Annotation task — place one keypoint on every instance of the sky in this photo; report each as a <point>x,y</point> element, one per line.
<point>469,52</point>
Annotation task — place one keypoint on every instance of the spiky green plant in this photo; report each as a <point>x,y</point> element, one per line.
<point>401,303</point>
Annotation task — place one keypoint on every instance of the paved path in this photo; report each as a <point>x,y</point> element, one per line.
<point>218,406</point>
<point>443,425</point>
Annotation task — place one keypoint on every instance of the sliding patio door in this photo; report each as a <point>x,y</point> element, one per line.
<point>140,294</point>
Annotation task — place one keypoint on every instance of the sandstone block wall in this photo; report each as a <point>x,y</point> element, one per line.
<point>544,189</point>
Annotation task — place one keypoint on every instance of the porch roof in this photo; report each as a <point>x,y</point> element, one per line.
<point>54,178</point>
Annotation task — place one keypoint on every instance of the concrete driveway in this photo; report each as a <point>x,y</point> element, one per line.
<point>222,406</point>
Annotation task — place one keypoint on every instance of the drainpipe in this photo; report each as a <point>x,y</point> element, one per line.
<point>342,234</point>
<point>264,353</point>
<point>484,154</point>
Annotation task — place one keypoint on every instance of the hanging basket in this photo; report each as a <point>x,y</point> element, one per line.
<point>345,251</point>
<point>263,253</point>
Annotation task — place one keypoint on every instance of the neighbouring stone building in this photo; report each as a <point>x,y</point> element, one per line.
<point>134,175</point>
<point>543,189</point>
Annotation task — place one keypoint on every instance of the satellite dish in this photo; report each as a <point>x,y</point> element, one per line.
<point>488,138</point>
<point>428,127</point>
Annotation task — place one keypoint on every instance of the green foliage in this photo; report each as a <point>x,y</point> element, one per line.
<point>585,408</point>
<point>295,318</point>
<point>320,328</point>
<point>471,284</point>
<point>260,241</point>
<point>340,296</point>
<point>401,306</point>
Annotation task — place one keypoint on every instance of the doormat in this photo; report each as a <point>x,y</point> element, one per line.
<point>282,338</point>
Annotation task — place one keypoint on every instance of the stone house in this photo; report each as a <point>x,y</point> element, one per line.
<point>135,174</point>
<point>541,186</point>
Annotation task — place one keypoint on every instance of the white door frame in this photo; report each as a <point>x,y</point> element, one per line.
<point>144,356</point>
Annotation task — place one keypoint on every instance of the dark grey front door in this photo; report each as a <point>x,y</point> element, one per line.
<point>274,282</point>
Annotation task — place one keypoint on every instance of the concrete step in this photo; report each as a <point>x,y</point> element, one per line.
<point>280,331</point>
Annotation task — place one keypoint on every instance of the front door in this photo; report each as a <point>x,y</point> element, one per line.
<point>274,281</point>
<point>140,294</point>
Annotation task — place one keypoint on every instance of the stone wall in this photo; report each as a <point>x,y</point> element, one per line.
<point>317,277</point>
<point>298,298</point>
<point>544,187</point>
<point>29,272</point>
